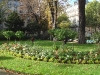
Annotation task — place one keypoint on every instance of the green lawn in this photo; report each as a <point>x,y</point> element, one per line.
<point>46,68</point>
<point>77,47</point>
<point>46,43</point>
<point>49,68</point>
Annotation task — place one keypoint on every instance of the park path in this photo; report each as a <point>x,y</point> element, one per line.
<point>4,72</point>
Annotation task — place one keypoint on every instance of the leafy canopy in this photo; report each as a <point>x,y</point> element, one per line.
<point>93,13</point>
<point>62,33</point>
<point>63,21</point>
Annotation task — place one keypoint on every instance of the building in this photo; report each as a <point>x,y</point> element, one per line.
<point>73,14</point>
<point>19,7</point>
<point>13,5</point>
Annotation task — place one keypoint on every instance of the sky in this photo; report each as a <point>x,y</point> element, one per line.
<point>71,1</point>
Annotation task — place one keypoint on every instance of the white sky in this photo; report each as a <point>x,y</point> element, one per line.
<point>71,1</point>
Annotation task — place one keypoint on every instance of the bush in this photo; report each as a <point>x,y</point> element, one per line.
<point>8,34</point>
<point>60,34</point>
<point>19,34</point>
<point>96,37</point>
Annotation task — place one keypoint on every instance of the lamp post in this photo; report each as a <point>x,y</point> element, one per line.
<point>53,9</point>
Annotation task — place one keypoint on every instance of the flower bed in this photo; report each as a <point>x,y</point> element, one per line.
<point>60,55</point>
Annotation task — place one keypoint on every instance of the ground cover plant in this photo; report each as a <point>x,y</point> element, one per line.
<point>15,50</point>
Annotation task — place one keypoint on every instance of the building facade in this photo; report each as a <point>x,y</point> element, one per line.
<point>17,6</point>
<point>73,14</point>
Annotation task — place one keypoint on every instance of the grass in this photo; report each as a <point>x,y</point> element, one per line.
<point>46,68</point>
<point>32,67</point>
<point>77,47</point>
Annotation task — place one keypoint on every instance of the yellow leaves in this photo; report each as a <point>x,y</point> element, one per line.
<point>64,24</point>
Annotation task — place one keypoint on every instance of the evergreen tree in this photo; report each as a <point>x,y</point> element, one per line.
<point>32,27</point>
<point>14,22</point>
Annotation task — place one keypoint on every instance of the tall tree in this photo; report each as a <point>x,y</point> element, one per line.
<point>29,10</point>
<point>56,7</point>
<point>34,11</point>
<point>33,8</point>
<point>14,22</point>
<point>53,9</point>
<point>93,14</point>
<point>81,37</point>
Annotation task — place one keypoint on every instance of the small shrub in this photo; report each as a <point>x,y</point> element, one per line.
<point>8,34</point>
<point>19,34</point>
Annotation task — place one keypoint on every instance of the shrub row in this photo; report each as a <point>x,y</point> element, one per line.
<point>62,55</point>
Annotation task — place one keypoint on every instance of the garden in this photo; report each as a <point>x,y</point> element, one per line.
<point>43,43</point>
<point>47,57</point>
<point>43,58</point>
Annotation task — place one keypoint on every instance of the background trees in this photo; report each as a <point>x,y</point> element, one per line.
<point>56,8</point>
<point>36,12</point>
<point>93,19</point>
<point>40,12</point>
<point>14,23</point>
<point>63,21</point>
<point>32,27</point>
<point>93,14</point>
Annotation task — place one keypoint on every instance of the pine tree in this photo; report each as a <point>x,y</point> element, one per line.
<point>14,22</point>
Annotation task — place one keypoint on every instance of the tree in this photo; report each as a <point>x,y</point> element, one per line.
<point>93,14</point>
<point>36,11</point>
<point>14,22</point>
<point>53,9</point>
<point>62,33</point>
<point>29,7</point>
<point>61,18</point>
<point>35,8</point>
<point>3,9</point>
<point>63,21</point>
<point>54,14</point>
<point>81,37</point>
<point>33,27</point>
<point>44,24</point>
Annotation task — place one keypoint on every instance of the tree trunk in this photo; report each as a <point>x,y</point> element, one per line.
<point>81,37</point>
<point>53,9</point>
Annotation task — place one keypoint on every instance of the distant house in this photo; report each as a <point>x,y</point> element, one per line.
<point>73,14</point>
